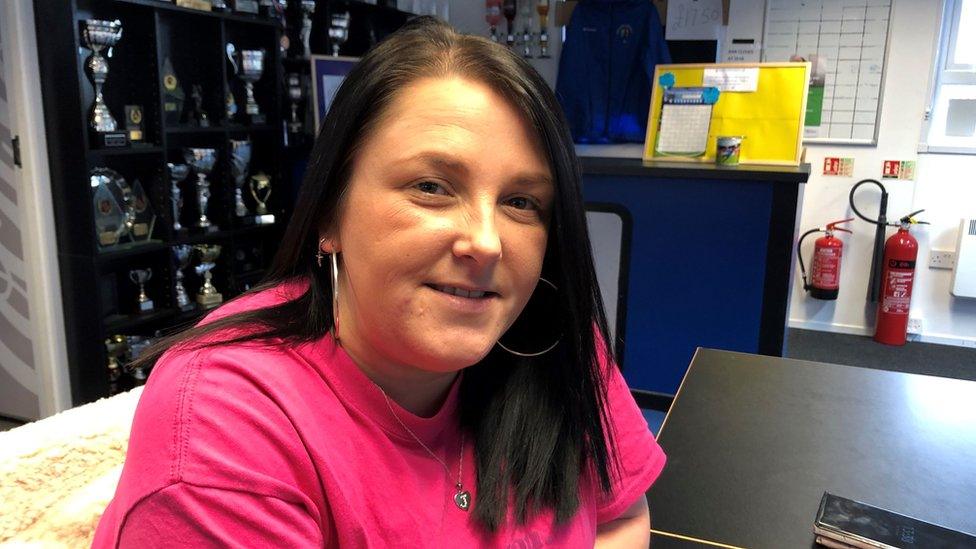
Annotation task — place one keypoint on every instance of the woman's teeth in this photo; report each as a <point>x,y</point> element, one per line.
<point>459,292</point>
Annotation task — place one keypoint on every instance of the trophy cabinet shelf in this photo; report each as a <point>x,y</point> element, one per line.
<point>119,323</point>
<point>220,129</point>
<point>124,151</point>
<point>165,5</point>
<point>99,297</point>
<point>124,251</point>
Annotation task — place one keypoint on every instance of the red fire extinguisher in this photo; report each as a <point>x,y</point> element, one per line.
<point>824,280</point>
<point>897,278</point>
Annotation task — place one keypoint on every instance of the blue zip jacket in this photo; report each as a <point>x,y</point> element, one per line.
<point>606,67</point>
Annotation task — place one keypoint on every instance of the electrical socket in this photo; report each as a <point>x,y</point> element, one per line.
<point>942,259</point>
<point>914,325</point>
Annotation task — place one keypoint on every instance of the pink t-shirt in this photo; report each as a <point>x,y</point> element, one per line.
<point>258,445</point>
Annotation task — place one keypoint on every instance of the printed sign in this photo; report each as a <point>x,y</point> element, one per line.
<point>838,166</point>
<point>898,169</point>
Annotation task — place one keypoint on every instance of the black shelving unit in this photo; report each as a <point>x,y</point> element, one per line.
<point>99,300</point>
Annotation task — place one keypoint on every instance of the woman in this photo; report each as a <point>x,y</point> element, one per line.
<point>395,382</point>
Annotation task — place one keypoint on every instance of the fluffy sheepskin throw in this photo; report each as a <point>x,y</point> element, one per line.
<point>58,474</point>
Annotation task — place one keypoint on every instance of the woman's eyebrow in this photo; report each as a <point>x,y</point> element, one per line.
<point>451,163</point>
<point>441,160</point>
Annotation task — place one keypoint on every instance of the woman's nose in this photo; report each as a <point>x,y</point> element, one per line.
<point>479,238</point>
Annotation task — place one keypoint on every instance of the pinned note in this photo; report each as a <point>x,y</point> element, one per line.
<point>732,79</point>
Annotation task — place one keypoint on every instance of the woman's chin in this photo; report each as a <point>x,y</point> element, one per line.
<point>456,356</point>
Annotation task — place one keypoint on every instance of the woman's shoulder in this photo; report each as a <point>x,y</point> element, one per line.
<point>267,296</point>
<point>227,417</point>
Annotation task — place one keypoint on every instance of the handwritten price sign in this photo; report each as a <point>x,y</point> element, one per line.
<point>693,19</point>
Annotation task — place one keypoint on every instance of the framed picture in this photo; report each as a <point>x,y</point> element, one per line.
<point>328,72</point>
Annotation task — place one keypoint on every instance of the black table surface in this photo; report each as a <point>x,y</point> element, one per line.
<point>754,441</point>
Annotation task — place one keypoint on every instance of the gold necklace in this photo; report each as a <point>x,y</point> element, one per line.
<point>462,498</point>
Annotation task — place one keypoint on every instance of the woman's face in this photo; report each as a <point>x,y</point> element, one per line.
<point>443,228</point>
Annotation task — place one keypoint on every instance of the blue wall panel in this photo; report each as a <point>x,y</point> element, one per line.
<point>697,266</point>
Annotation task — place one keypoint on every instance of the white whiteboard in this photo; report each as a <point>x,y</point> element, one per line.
<point>847,42</point>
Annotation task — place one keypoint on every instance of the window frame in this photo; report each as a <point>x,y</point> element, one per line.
<point>946,73</point>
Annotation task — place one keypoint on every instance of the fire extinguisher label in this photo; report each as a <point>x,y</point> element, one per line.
<point>826,263</point>
<point>898,290</point>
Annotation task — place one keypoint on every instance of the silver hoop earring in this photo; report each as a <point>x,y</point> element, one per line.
<point>334,268</point>
<point>537,353</point>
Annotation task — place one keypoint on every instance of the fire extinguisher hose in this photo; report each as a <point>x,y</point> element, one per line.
<point>799,255</point>
<point>874,285</point>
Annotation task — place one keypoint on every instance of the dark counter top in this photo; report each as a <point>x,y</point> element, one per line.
<point>754,441</point>
<point>686,170</point>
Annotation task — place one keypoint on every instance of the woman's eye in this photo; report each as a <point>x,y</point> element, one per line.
<point>429,187</point>
<point>521,203</point>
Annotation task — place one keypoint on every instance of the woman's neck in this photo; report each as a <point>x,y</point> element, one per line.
<point>419,392</point>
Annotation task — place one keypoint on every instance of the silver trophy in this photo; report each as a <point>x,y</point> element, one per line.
<point>202,161</point>
<point>294,81</point>
<point>339,31</point>
<point>308,8</point>
<point>240,161</point>
<point>208,296</point>
<point>140,277</point>
<point>181,254</point>
<point>177,174</point>
<point>98,35</point>
<point>137,345</point>
<point>248,66</point>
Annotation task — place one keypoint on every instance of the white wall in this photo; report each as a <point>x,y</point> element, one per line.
<point>52,384</point>
<point>944,186</point>
<point>468,16</point>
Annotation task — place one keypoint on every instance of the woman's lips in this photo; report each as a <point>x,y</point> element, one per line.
<point>471,301</point>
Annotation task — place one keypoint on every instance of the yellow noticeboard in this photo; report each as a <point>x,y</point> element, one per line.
<point>767,111</point>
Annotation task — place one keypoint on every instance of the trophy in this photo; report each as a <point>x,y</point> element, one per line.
<point>208,296</point>
<point>542,8</point>
<point>197,115</point>
<point>493,16</point>
<point>181,254</point>
<point>98,35</point>
<point>261,191</point>
<point>272,9</point>
<point>294,81</point>
<point>177,173</point>
<point>202,161</point>
<point>230,106</point>
<point>339,31</point>
<point>308,8</point>
<point>509,9</point>
<point>116,349</point>
<point>248,66</point>
<point>140,277</point>
<point>173,95</point>
<point>240,160</point>
<point>109,217</point>
<point>137,345</point>
<point>525,11</point>
<point>140,218</point>
<point>133,122</point>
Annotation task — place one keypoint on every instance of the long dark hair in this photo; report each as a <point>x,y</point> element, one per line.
<point>539,424</point>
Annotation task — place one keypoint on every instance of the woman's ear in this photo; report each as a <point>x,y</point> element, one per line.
<point>328,244</point>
